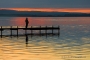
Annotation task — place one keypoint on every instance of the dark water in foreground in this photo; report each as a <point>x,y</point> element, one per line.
<point>72,44</point>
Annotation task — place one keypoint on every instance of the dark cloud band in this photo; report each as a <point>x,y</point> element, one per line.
<point>45,3</point>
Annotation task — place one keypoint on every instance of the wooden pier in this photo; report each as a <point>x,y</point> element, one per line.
<point>46,28</point>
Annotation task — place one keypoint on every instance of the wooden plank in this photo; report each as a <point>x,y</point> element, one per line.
<point>34,28</point>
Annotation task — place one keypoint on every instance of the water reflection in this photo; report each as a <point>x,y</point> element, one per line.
<point>26,39</point>
<point>51,48</point>
<point>38,21</point>
<point>73,43</point>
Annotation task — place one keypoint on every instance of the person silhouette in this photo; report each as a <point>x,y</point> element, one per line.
<point>27,22</point>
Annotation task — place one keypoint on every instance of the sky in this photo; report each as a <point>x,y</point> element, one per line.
<point>46,4</point>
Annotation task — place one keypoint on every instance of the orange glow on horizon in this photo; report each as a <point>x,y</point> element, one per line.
<point>80,10</point>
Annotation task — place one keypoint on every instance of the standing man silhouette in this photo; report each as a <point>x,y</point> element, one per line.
<point>27,22</point>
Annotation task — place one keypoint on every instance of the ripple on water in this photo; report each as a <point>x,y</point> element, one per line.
<point>67,47</point>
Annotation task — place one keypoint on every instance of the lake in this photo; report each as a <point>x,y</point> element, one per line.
<point>72,44</point>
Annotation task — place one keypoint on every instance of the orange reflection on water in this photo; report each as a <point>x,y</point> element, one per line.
<point>17,50</point>
<point>43,21</point>
<point>20,21</point>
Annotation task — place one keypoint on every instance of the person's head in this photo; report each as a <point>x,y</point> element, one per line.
<point>26,18</point>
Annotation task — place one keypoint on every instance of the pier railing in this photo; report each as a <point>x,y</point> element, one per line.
<point>46,28</point>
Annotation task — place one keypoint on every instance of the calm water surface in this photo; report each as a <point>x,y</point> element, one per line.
<point>72,44</point>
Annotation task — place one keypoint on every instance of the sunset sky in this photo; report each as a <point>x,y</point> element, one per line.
<point>82,6</point>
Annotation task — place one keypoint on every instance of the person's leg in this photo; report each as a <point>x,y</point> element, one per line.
<point>27,25</point>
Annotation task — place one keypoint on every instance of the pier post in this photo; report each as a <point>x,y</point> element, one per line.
<point>11,30</point>
<point>17,31</point>
<point>31,30</point>
<point>25,31</point>
<point>52,29</point>
<point>40,30</point>
<point>58,30</point>
<point>46,31</point>
<point>1,31</point>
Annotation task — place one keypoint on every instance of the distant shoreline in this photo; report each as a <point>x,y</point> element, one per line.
<point>12,13</point>
<point>44,16</point>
